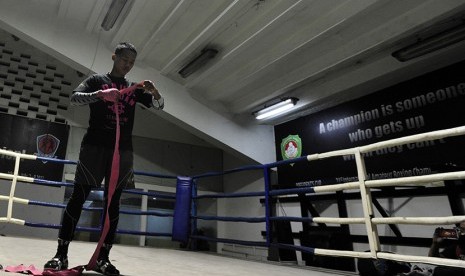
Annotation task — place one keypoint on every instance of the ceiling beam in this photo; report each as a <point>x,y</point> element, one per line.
<point>369,44</point>
<point>165,26</point>
<point>63,7</point>
<point>127,18</point>
<point>97,10</point>
<point>210,30</point>
<point>327,26</point>
<point>251,40</point>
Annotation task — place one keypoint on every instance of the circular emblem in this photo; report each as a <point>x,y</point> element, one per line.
<point>291,147</point>
<point>47,144</point>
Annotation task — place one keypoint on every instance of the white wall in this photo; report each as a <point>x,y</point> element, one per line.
<point>247,181</point>
<point>162,157</point>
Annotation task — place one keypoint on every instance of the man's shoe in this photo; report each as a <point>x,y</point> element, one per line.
<point>57,263</point>
<point>106,268</point>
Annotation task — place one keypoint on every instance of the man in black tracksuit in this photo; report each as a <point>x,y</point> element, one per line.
<point>101,92</point>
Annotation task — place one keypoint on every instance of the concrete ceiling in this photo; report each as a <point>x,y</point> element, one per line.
<point>323,52</point>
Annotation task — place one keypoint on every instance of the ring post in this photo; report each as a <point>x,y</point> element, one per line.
<point>194,214</point>
<point>182,209</point>
<point>13,187</point>
<point>266,174</point>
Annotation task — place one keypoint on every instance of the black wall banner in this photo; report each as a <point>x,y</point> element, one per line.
<point>430,102</point>
<point>32,136</point>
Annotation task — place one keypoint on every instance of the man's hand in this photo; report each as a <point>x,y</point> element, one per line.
<point>109,95</point>
<point>149,87</point>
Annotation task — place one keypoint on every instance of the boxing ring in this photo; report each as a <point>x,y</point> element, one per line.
<point>185,216</point>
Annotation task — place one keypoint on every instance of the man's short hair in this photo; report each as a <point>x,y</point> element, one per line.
<point>125,46</point>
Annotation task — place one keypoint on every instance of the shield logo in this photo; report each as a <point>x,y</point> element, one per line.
<point>47,145</point>
<point>291,147</point>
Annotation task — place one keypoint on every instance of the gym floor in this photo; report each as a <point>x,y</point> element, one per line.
<point>138,261</point>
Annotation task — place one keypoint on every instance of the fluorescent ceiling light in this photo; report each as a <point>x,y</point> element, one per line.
<point>431,44</point>
<point>114,11</point>
<point>276,109</point>
<point>197,62</point>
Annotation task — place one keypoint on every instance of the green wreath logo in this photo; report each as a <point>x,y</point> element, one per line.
<point>291,147</point>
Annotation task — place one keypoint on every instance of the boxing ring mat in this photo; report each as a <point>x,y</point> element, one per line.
<point>146,261</point>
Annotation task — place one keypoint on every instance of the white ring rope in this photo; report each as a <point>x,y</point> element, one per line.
<point>420,259</point>
<point>20,155</point>
<point>410,180</point>
<point>419,220</point>
<point>428,136</point>
<point>13,220</point>
<point>342,253</point>
<point>339,220</point>
<point>15,199</point>
<point>14,177</point>
<point>434,135</point>
<point>363,185</point>
<point>337,187</point>
<point>19,177</point>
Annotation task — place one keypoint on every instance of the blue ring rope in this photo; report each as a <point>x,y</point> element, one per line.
<point>267,193</point>
<point>235,219</point>
<point>129,191</point>
<point>52,183</point>
<point>128,212</point>
<point>292,191</point>
<point>145,213</point>
<point>62,161</point>
<point>240,169</point>
<point>94,229</point>
<point>231,241</point>
<point>62,206</point>
<point>305,249</point>
<point>153,194</point>
<point>230,195</point>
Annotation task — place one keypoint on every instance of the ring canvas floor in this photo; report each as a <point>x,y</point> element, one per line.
<point>138,261</point>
